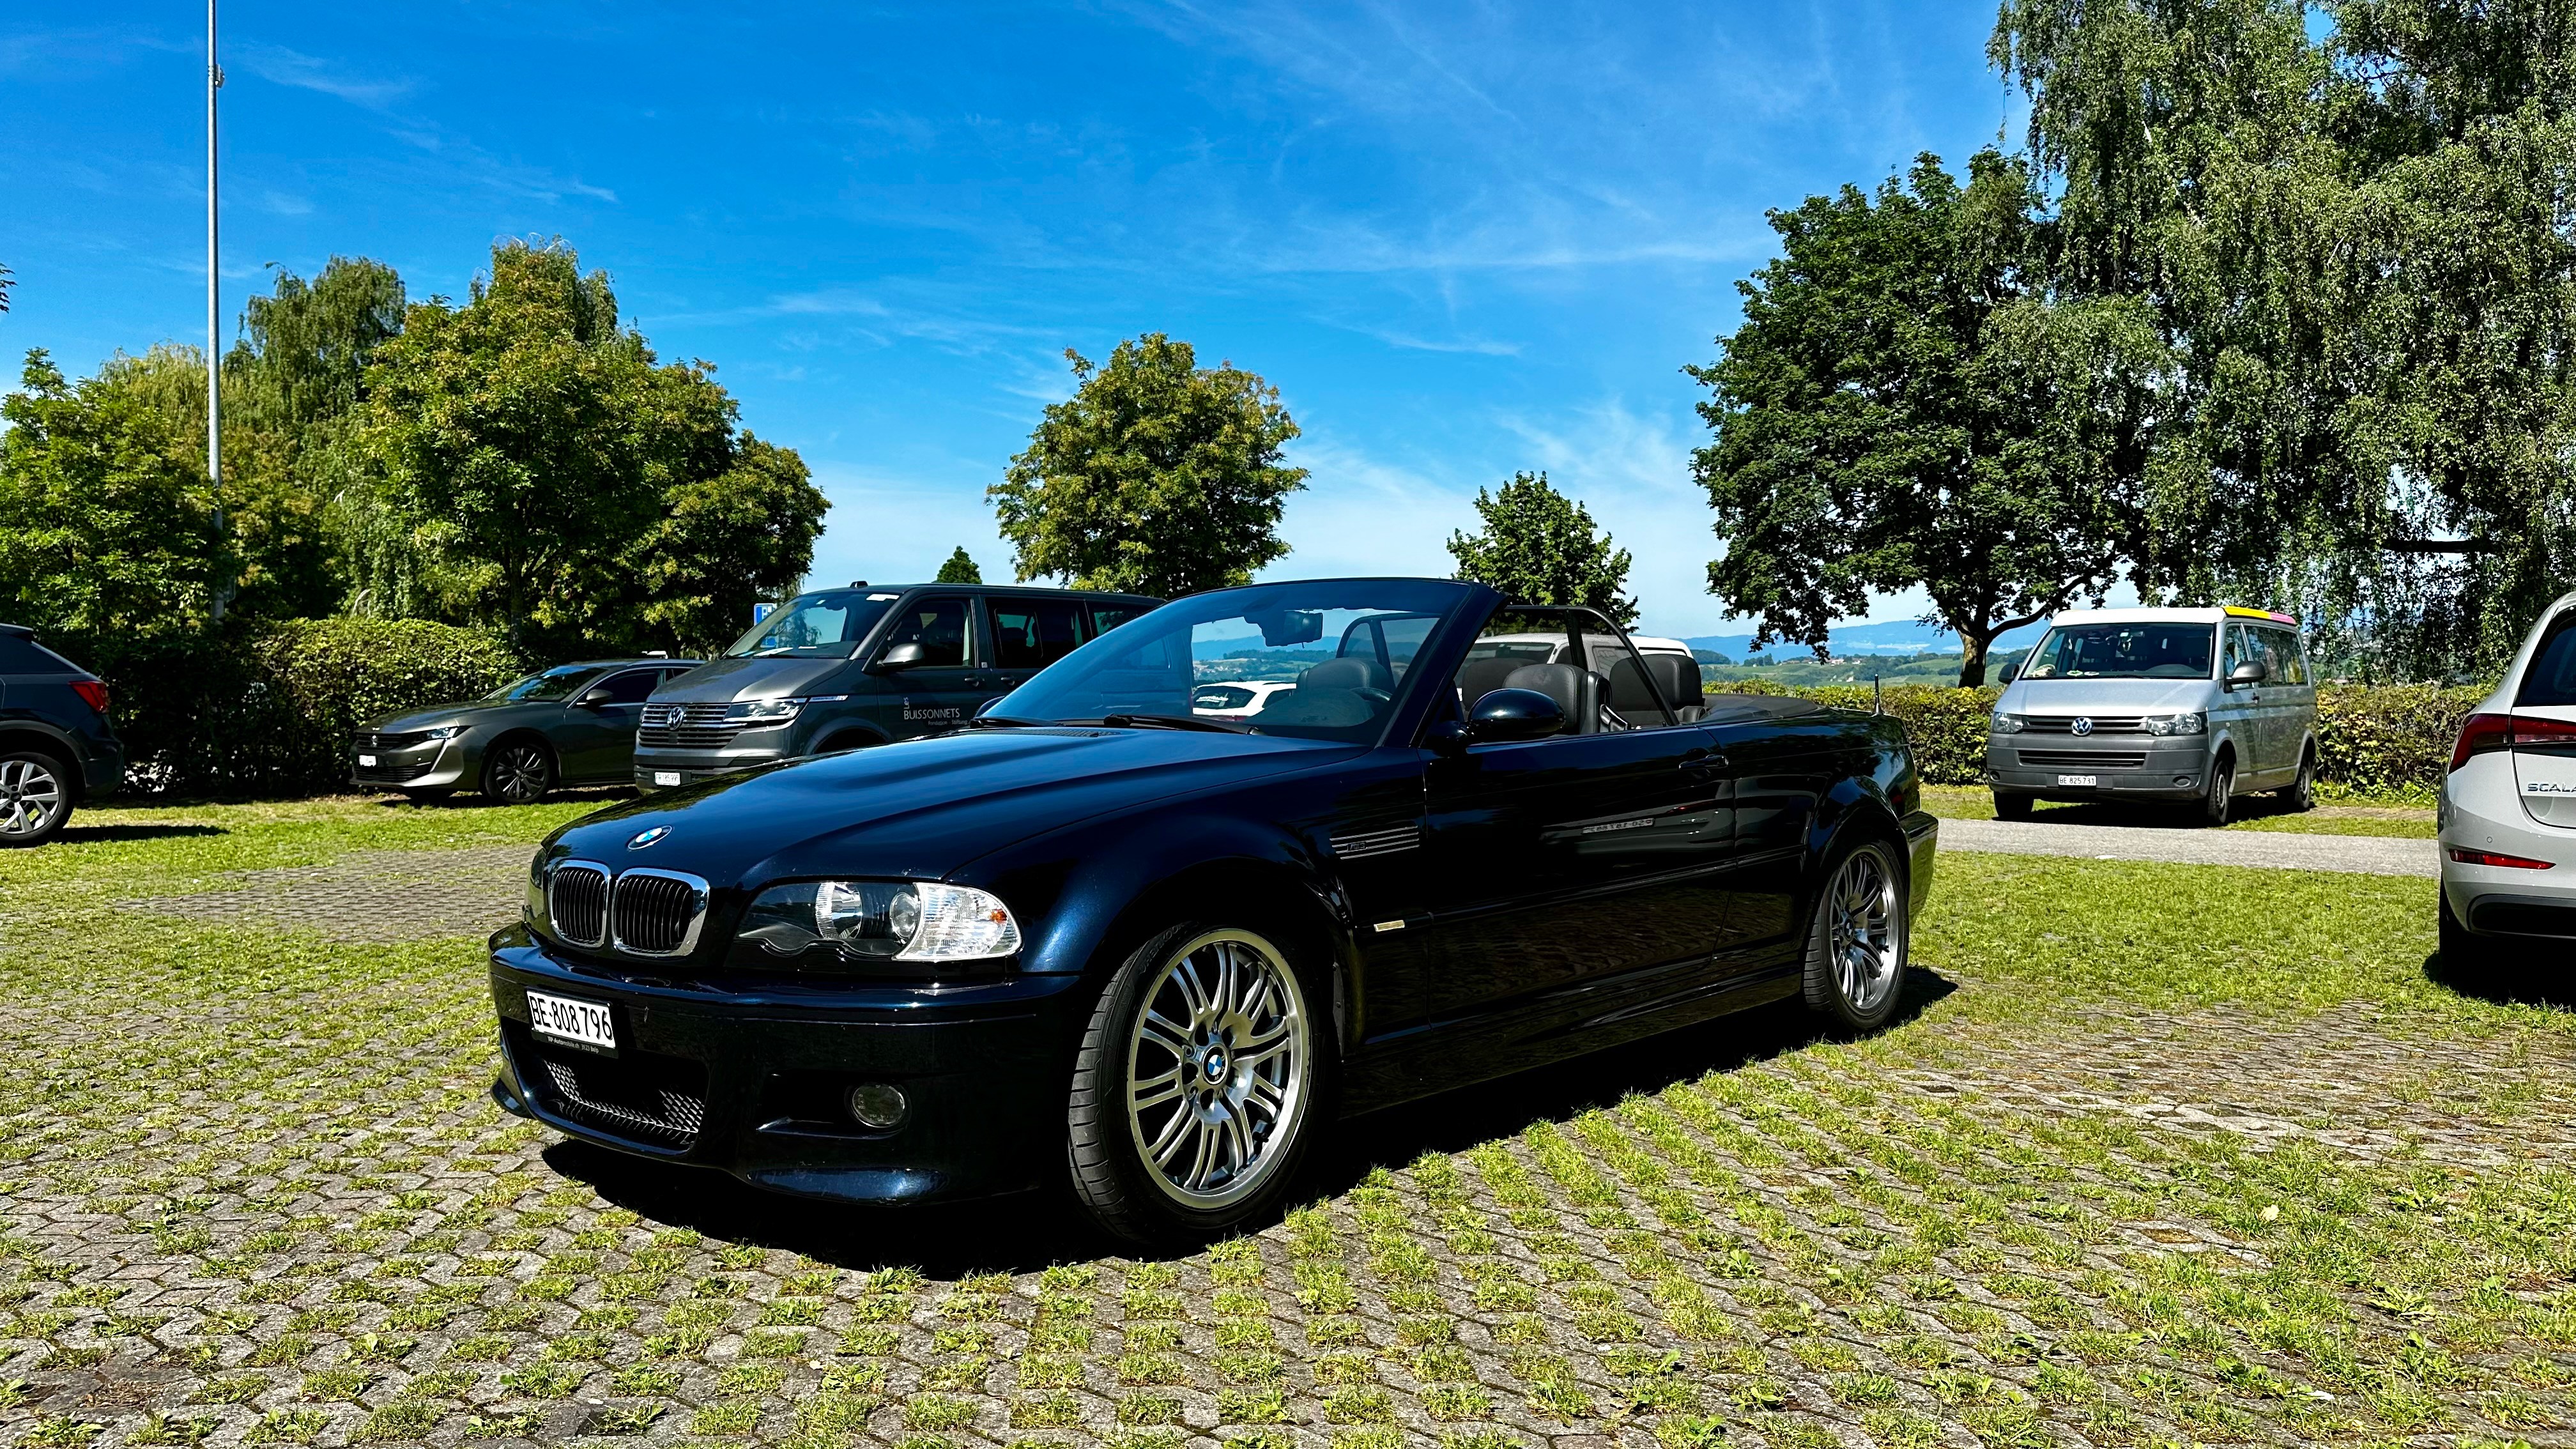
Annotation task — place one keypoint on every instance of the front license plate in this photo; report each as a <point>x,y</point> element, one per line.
<point>583,1023</point>
<point>666,777</point>
<point>368,761</point>
<point>2065,780</point>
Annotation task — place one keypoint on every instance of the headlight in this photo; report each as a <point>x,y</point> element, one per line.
<point>2010,724</point>
<point>444,732</point>
<point>842,924</point>
<point>763,712</point>
<point>2194,723</point>
<point>535,911</point>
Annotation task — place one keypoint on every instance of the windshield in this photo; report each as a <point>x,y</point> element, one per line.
<point>1343,649</point>
<point>2123,651</point>
<point>561,682</point>
<point>815,626</point>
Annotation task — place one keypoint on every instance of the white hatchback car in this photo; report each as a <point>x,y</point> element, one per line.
<point>2508,805</point>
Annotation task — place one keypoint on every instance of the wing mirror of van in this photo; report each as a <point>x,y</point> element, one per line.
<point>2008,673</point>
<point>2251,671</point>
<point>898,657</point>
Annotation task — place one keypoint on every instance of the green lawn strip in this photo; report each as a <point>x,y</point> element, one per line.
<point>1754,1255</point>
<point>2355,815</point>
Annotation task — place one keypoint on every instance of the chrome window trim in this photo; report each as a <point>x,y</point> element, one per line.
<point>607,901</point>
<point>697,910</point>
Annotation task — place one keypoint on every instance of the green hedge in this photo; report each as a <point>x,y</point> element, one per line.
<point>2383,739</point>
<point>268,710</point>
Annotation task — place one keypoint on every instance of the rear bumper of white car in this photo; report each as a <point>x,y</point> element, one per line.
<point>2482,816</point>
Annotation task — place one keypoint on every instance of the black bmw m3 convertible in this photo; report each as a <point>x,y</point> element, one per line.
<point>1103,939</point>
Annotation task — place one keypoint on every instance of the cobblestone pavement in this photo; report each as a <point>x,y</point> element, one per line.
<point>281,1212</point>
<point>2358,854</point>
<point>370,895</point>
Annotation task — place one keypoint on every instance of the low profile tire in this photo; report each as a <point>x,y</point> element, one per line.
<point>2460,954</point>
<point>2221,799</point>
<point>2012,807</point>
<point>1198,1086</point>
<point>1859,937</point>
<point>35,798</point>
<point>519,772</point>
<point>2301,793</point>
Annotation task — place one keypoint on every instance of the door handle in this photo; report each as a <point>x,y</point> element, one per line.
<point>1703,762</point>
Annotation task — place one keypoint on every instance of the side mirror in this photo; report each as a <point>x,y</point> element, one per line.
<point>901,656</point>
<point>2249,672</point>
<point>1507,715</point>
<point>2009,673</point>
<point>596,699</point>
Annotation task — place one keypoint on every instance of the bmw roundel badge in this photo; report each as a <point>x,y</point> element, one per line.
<point>648,837</point>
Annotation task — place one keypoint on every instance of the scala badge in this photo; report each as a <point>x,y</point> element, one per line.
<point>2083,724</point>
<point>646,838</point>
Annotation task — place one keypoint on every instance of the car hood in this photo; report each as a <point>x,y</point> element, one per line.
<point>455,714</point>
<point>2104,696</point>
<point>921,809</point>
<point>723,681</point>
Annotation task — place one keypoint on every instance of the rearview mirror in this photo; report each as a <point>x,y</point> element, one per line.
<point>1506,715</point>
<point>2249,672</point>
<point>1282,627</point>
<point>902,656</point>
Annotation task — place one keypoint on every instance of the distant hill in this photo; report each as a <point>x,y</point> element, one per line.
<point>1904,637</point>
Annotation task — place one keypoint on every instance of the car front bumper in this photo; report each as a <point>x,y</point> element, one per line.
<point>2138,767</point>
<point>665,768</point>
<point>756,1084</point>
<point>437,765</point>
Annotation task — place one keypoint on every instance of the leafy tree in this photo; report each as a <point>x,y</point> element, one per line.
<point>1538,547</point>
<point>726,543</point>
<point>1908,404</point>
<point>960,569</point>
<point>103,535</point>
<point>537,461</point>
<point>1158,476</point>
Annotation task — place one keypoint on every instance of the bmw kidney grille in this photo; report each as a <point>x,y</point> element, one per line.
<point>657,912</point>
<point>577,902</point>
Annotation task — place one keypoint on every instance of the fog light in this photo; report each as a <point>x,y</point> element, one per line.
<point>2185,782</point>
<point>878,1105</point>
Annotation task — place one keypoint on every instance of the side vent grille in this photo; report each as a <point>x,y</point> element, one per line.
<point>1360,844</point>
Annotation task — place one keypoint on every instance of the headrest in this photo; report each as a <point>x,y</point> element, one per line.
<point>1349,672</point>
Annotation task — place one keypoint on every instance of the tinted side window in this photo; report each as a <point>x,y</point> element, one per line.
<point>2551,679</point>
<point>632,686</point>
<point>938,626</point>
<point>26,656</point>
<point>2239,649</point>
<point>1034,633</point>
<point>1109,614</point>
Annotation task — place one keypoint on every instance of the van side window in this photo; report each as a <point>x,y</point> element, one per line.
<point>2281,653</point>
<point>938,626</point>
<point>1109,614</point>
<point>2239,649</point>
<point>1034,633</point>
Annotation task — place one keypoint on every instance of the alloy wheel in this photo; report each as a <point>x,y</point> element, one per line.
<point>519,775</point>
<point>31,798</point>
<point>1865,949</point>
<point>1218,1068</point>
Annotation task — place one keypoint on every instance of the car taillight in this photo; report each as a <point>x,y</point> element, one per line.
<point>93,693</point>
<point>2535,730</point>
<point>2466,856</point>
<point>2485,732</point>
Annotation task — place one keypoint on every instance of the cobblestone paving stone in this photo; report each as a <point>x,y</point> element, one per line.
<point>282,1212</point>
<point>369,895</point>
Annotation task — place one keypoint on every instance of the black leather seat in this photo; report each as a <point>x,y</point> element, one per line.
<point>1480,677</point>
<point>1576,691</point>
<point>1338,692</point>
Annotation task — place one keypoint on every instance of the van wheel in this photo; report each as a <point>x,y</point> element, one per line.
<point>2012,807</point>
<point>35,798</point>
<point>1197,1086</point>
<point>2301,793</point>
<point>2222,792</point>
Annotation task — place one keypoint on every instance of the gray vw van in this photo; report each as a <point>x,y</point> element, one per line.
<point>2157,704</point>
<point>840,669</point>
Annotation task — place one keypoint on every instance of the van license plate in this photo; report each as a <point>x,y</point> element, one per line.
<point>2086,780</point>
<point>583,1023</point>
<point>367,762</point>
<point>666,777</point>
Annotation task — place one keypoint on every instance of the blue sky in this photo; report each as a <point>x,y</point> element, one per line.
<point>1462,239</point>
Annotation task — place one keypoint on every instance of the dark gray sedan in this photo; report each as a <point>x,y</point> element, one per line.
<point>573,724</point>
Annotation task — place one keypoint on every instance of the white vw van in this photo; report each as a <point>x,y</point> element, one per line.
<point>2157,704</point>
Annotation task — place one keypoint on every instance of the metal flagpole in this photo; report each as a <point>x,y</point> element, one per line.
<point>214,314</point>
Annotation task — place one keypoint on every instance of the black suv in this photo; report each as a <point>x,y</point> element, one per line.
<point>55,746</point>
<point>842,668</point>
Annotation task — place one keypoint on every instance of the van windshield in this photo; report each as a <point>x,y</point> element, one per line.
<point>2123,651</point>
<point>828,625</point>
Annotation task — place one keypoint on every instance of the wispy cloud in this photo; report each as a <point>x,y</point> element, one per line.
<point>280,66</point>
